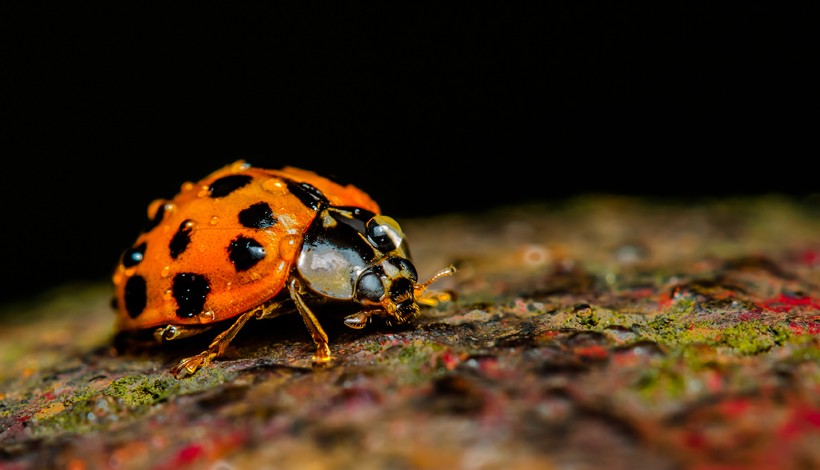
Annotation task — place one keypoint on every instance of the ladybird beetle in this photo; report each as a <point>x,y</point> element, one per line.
<point>247,242</point>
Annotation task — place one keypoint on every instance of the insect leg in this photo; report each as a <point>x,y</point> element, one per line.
<point>217,347</point>
<point>272,309</point>
<point>172,332</point>
<point>360,319</point>
<point>319,336</point>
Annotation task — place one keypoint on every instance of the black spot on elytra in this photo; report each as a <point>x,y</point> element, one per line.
<point>135,296</point>
<point>228,184</point>
<point>245,252</point>
<point>190,291</point>
<point>307,194</point>
<point>154,221</point>
<point>181,239</point>
<point>258,215</point>
<point>134,255</point>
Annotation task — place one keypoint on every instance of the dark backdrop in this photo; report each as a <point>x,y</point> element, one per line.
<point>429,109</point>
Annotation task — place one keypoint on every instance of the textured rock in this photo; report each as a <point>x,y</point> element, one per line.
<point>597,332</point>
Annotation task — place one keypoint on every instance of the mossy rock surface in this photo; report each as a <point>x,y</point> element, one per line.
<point>599,332</point>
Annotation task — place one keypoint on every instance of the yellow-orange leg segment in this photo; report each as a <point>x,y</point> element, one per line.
<point>217,347</point>
<point>322,354</point>
<point>220,343</point>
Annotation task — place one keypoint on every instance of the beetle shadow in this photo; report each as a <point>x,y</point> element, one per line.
<point>257,336</point>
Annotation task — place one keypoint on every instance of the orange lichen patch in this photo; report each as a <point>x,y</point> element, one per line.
<point>50,410</point>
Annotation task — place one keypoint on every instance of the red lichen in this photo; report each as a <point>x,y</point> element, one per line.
<point>785,303</point>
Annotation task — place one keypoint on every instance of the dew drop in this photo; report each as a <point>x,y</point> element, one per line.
<point>207,316</point>
<point>204,191</point>
<point>274,186</point>
<point>214,220</point>
<point>166,271</point>
<point>288,247</point>
<point>186,186</point>
<point>167,333</point>
<point>240,165</point>
<point>101,404</point>
<point>535,255</point>
<point>168,294</point>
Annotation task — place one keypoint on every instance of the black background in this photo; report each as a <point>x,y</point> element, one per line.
<point>431,109</point>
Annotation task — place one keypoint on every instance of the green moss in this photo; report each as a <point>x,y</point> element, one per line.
<point>77,417</point>
<point>694,333</point>
<point>416,361</point>
<point>86,409</point>
<point>408,354</point>
<point>136,391</point>
<point>596,319</point>
<point>753,337</point>
<point>804,348</point>
<point>660,383</point>
<point>89,409</point>
<point>589,320</point>
<point>372,347</point>
<point>682,306</point>
<point>744,337</point>
<point>781,333</point>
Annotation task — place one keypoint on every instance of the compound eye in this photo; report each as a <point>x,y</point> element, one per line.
<point>408,269</point>
<point>370,288</point>
<point>384,233</point>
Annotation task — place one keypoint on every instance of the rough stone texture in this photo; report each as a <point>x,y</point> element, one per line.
<point>597,333</point>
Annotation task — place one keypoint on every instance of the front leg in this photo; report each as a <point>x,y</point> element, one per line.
<point>361,319</point>
<point>322,355</point>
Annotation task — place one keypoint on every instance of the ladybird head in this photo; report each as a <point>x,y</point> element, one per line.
<point>390,286</point>
<point>354,255</point>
